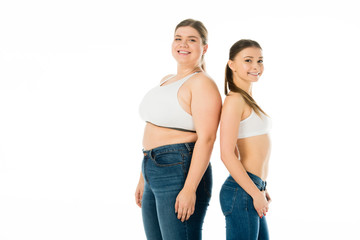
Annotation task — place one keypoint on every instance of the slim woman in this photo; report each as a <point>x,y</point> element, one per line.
<point>245,146</point>
<point>182,114</point>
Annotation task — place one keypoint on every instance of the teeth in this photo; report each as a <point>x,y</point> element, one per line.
<point>183,52</point>
<point>254,74</point>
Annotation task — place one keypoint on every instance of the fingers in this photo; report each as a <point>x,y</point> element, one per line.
<point>268,198</point>
<point>176,205</point>
<point>262,211</point>
<point>185,204</point>
<point>188,214</point>
<point>261,205</point>
<point>184,214</point>
<point>138,197</point>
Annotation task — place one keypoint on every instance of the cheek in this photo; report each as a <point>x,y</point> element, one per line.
<point>196,49</point>
<point>174,47</point>
<point>243,68</point>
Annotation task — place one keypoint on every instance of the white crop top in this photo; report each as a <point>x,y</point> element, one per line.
<point>160,106</point>
<point>254,125</point>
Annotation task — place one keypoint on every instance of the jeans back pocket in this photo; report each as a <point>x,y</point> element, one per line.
<point>227,199</point>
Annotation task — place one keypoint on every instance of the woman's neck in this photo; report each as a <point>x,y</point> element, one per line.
<point>246,86</point>
<point>186,70</point>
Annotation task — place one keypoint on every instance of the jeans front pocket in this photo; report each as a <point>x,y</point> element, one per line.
<point>227,199</point>
<point>165,173</point>
<point>167,159</point>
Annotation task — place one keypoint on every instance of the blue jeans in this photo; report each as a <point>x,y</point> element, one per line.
<point>242,220</point>
<point>164,170</point>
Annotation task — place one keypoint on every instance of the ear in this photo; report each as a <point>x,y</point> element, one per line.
<point>231,65</point>
<point>205,49</point>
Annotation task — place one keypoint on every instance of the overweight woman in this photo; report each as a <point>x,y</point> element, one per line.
<point>182,113</point>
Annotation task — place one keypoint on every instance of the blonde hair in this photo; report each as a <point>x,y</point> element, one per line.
<point>198,26</point>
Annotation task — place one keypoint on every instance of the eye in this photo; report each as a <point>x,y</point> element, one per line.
<point>192,40</point>
<point>177,39</point>
<point>248,60</point>
<point>260,61</point>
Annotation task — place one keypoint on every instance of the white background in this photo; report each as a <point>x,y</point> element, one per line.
<point>72,74</point>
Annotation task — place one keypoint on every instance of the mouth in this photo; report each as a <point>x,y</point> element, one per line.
<point>254,74</point>
<point>182,52</point>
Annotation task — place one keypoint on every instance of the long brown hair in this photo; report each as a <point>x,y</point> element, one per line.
<point>229,80</point>
<point>198,26</point>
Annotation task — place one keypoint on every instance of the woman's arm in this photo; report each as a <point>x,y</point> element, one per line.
<point>229,126</point>
<point>205,110</point>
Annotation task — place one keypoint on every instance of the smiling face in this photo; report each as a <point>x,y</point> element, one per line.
<point>247,66</point>
<point>187,47</point>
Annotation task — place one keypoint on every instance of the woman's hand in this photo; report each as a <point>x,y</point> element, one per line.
<point>139,191</point>
<point>185,204</point>
<point>261,204</point>
<point>268,198</point>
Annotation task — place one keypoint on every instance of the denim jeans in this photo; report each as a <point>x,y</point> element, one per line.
<point>242,220</point>
<point>165,169</point>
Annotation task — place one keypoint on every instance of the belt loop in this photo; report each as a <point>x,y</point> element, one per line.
<point>150,154</point>
<point>188,147</point>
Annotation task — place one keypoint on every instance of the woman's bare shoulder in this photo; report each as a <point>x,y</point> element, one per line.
<point>167,77</point>
<point>202,81</point>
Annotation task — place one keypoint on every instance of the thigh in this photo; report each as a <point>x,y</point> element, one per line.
<point>203,196</point>
<point>166,176</point>
<point>171,171</point>
<point>242,222</point>
<point>234,210</point>
<point>263,231</point>
<point>149,215</point>
<point>171,227</point>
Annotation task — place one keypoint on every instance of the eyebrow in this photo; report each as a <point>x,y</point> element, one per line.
<point>251,57</point>
<point>187,36</point>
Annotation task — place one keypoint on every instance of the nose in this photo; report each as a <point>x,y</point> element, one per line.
<point>183,43</point>
<point>256,66</point>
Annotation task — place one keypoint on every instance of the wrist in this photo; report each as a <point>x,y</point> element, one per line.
<point>141,179</point>
<point>189,187</point>
<point>256,194</point>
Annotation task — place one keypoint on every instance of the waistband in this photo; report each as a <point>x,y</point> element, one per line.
<point>261,185</point>
<point>170,148</point>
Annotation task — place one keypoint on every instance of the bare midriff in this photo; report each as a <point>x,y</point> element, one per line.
<point>155,136</point>
<point>255,154</point>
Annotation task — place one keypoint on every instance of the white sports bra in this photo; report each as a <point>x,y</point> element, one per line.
<point>254,125</point>
<point>160,106</point>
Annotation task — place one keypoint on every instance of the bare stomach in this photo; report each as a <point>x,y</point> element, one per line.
<point>155,136</point>
<point>255,154</point>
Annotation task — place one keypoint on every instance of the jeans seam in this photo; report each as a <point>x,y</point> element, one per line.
<point>186,230</point>
<point>248,202</point>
